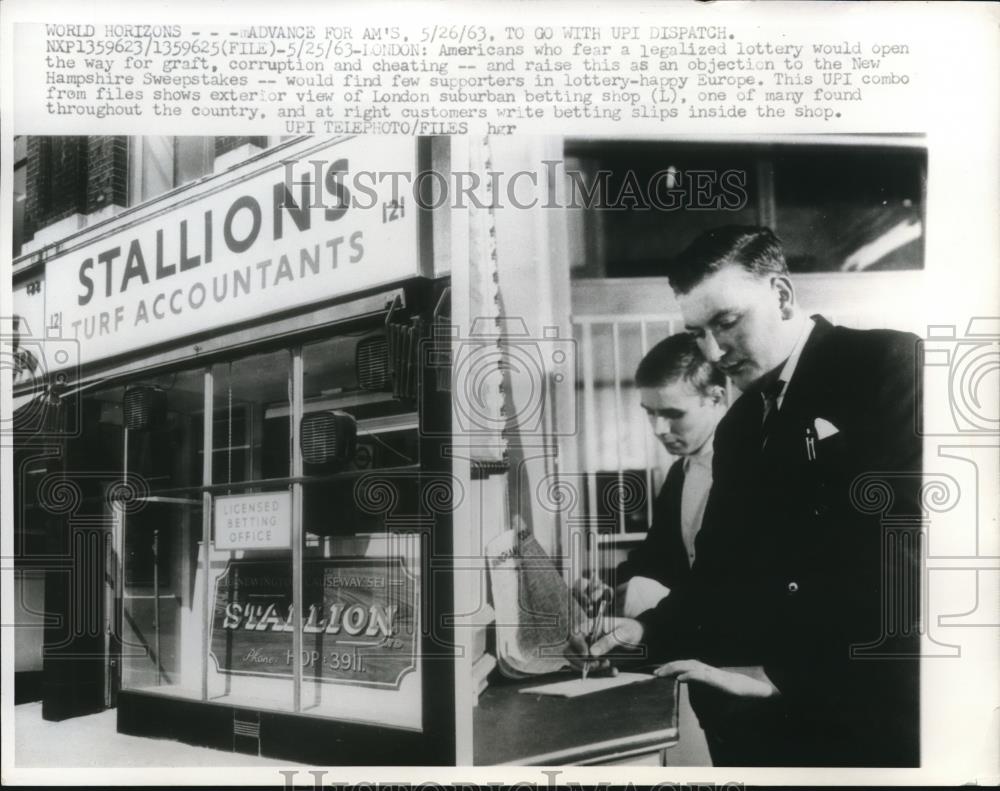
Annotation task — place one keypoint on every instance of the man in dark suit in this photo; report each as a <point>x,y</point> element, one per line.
<point>798,627</point>
<point>684,397</point>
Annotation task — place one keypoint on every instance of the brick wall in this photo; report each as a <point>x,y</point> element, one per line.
<point>82,175</point>
<point>224,145</point>
<point>73,175</point>
<point>55,181</point>
<point>107,172</point>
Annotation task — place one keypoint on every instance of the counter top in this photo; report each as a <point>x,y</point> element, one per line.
<point>511,727</point>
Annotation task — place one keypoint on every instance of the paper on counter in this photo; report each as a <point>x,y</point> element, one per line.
<point>578,686</point>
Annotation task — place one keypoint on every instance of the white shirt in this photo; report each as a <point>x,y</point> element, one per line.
<point>694,495</point>
<point>788,369</point>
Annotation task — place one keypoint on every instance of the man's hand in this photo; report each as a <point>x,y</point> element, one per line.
<point>744,682</point>
<point>589,591</point>
<point>611,633</point>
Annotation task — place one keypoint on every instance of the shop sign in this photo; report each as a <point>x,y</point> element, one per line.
<point>359,625</point>
<point>312,223</point>
<point>254,521</point>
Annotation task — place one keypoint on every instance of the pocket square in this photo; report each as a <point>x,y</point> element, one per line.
<point>824,428</point>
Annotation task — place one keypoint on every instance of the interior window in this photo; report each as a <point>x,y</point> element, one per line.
<point>835,208</point>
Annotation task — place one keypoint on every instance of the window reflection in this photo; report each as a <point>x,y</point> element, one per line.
<point>361,590</point>
<point>160,420</point>
<point>217,620</point>
<point>835,208</point>
<point>250,656</point>
<point>250,420</point>
<point>858,210</point>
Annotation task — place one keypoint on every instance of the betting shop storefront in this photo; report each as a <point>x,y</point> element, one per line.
<point>239,485</point>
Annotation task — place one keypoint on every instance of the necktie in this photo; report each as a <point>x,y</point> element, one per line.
<point>770,395</point>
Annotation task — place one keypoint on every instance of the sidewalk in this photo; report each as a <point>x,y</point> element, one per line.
<point>93,742</point>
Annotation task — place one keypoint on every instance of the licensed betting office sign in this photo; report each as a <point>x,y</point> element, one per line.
<point>254,521</point>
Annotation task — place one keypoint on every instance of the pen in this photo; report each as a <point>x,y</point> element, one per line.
<point>810,444</point>
<point>592,637</point>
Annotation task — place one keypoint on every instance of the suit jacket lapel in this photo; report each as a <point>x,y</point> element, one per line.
<point>802,392</point>
<point>806,376</point>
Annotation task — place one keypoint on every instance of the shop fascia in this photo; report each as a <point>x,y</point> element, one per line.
<point>136,262</point>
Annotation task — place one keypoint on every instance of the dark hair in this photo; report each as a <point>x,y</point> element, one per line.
<point>678,358</point>
<point>754,248</point>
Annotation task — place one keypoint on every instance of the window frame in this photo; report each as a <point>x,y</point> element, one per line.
<point>209,489</point>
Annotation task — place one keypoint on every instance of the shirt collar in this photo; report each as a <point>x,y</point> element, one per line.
<point>703,458</point>
<point>788,370</point>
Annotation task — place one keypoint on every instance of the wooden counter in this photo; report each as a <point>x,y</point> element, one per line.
<point>624,724</point>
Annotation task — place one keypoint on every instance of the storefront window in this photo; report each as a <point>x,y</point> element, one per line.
<point>162,628</point>
<point>361,519</point>
<point>250,422</point>
<point>160,423</point>
<point>218,623</point>
<point>361,641</point>
<point>250,650</point>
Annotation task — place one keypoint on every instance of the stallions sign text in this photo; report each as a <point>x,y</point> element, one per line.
<point>359,622</point>
<point>306,225</point>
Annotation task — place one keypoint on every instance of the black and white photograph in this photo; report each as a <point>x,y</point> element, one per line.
<point>722,526</point>
<point>238,456</point>
<point>349,433</point>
